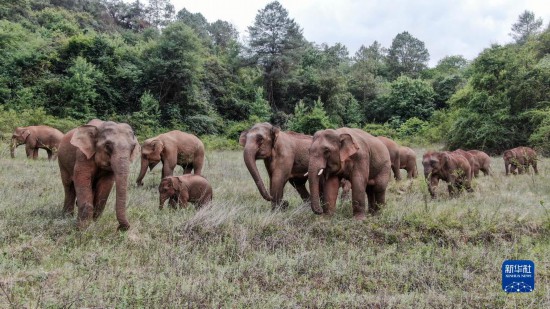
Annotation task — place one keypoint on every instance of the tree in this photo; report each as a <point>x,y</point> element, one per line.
<point>407,56</point>
<point>408,98</point>
<point>160,12</point>
<point>369,66</point>
<point>274,41</point>
<point>525,27</point>
<point>309,121</point>
<point>173,71</point>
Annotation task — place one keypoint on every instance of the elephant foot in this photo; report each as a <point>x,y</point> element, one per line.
<point>139,184</point>
<point>283,205</point>
<point>123,227</point>
<point>359,217</point>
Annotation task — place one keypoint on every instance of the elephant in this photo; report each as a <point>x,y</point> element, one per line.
<point>447,166</point>
<point>285,155</point>
<point>483,161</point>
<point>172,148</point>
<point>351,154</point>
<point>472,160</point>
<point>407,159</point>
<point>91,159</point>
<point>393,148</point>
<point>520,158</point>
<point>183,189</point>
<point>35,137</point>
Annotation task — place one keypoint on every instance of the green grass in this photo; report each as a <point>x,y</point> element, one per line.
<point>238,253</point>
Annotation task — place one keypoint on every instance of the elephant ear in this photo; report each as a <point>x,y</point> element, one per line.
<point>445,161</point>
<point>242,138</point>
<point>84,139</point>
<point>158,145</point>
<point>275,133</point>
<point>25,134</point>
<point>177,183</point>
<point>348,147</point>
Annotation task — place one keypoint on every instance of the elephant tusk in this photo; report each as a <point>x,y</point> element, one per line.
<point>306,174</point>
<point>320,172</point>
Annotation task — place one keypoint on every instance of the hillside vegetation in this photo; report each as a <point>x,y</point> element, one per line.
<point>418,252</point>
<point>142,63</point>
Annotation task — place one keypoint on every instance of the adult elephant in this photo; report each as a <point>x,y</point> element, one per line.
<point>34,138</point>
<point>407,159</point>
<point>472,160</point>
<point>91,159</point>
<point>351,154</point>
<point>483,161</point>
<point>520,158</point>
<point>393,149</point>
<point>172,148</point>
<point>286,158</point>
<point>451,167</point>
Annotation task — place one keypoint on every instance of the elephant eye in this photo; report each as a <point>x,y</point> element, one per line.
<point>109,147</point>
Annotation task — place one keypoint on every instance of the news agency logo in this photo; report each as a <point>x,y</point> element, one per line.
<point>518,276</point>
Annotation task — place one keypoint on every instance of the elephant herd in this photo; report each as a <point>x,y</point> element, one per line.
<point>97,156</point>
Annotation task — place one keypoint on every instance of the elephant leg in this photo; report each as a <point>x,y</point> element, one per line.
<point>50,154</point>
<point>330,193</point>
<point>70,194</point>
<point>358,192</point>
<point>173,202</point>
<point>83,176</point>
<point>29,151</point>
<point>300,186</point>
<point>102,190</point>
<point>167,169</point>
<point>35,153</point>
<point>535,167</point>
<point>198,164</point>
<point>432,184</point>
<point>277,186</point>
<point>396,170</point>
<point>370,198</point>
<point>183,199</point>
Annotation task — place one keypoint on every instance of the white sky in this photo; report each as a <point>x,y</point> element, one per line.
<point>447,27</point>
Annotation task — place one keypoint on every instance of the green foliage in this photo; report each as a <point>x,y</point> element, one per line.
<point>259,108</point>
<point>408,98</point>
<point>377,129</point>
<point>80,90</point>
<point>219,142</point>
<point>495,110</point>
<point>407,56</point>
<point>10,119</point>
<point>309,120</point>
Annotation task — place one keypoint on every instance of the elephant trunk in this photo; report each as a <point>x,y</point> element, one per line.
<point>13,145</point>
<point>250,162</point>
<point>142,172</point>
<point>162,200</point>
<point>314,174</point>
<point>121,170</point>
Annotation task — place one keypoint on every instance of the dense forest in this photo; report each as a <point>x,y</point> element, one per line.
<point>63,62</point>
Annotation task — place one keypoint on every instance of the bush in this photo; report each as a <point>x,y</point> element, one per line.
<point>217,142</point>
<point>309,121</point>
<point>380,130</point>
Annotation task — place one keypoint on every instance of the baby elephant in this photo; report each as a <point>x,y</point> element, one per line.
<point>183,189</point>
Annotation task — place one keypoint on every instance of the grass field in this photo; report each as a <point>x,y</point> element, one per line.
<point>237,253</point>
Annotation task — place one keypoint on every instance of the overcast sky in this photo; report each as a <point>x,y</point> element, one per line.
<point>447,27</point>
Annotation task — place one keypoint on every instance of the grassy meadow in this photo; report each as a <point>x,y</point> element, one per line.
<point>237,253</point>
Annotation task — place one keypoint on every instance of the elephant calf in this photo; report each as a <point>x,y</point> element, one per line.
<point>520,158</point>
<point>34,138</point>
<point>447,166</point>
<point>183,189</point>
